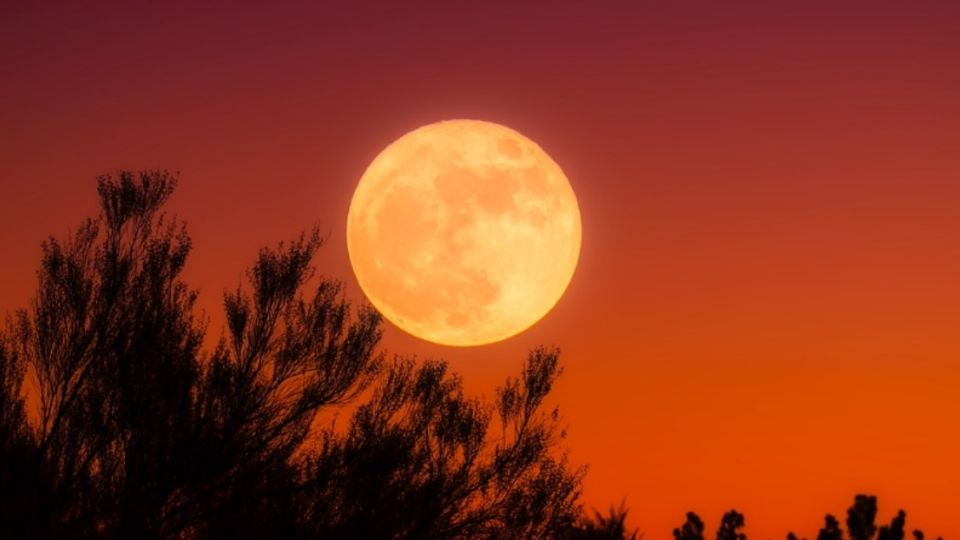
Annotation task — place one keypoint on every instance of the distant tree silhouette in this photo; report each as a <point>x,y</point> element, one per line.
<point>831,529</point>
<point>918,535</point>
<point>894,531</point>
<point>612,526</point>
<point>140,433</point>
<point>692,528</point>
<point>730,526</point>
<point>861,518</point>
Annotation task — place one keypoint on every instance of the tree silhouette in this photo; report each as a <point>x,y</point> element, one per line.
<point>142,433</point>
<point>860,522</point>
<point>730,526</point>
<point>831,529</point>
<point>894,531</point>
<point>415,455</point>
<point>692,528</point>
<point>23,484</point>
<point>861,518</point>
<point>612,526</point>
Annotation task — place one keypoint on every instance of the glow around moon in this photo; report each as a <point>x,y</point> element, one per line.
<point>463,232</point>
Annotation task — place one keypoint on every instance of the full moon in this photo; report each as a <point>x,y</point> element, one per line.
<point>463,232</point>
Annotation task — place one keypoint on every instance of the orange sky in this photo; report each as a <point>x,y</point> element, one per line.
<point>766,311</point>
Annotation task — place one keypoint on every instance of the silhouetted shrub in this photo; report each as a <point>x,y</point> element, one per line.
<point>140,433</point>
<point>861,518</point>
<point>730,526</point>
<point>415,454</point>
<point>894,531</point>
<point>831,529</point>
<point>692,528</point>
<point>23,484</point>
<point>612,526</point>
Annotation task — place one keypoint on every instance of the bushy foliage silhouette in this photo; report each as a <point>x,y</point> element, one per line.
<point>861,517</point>
<point>415,455</point>
<point>730,526</point>
<point>142,433</point>
<point>612,526</point>
<point>894,531</point>
<point>831,529</point>
<point>692,528</point>
<point>22,483</point>
<point>860,522</point>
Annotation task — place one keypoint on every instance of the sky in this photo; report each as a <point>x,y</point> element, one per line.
<point>765,313</point>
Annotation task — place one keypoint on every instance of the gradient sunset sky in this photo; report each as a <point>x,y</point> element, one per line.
<point>766,314</point>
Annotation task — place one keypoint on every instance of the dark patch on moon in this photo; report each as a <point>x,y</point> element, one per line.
<point>509,147</point>
<point>459,187</point>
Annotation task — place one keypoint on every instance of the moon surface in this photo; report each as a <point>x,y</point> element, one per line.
<point>463,232</point>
